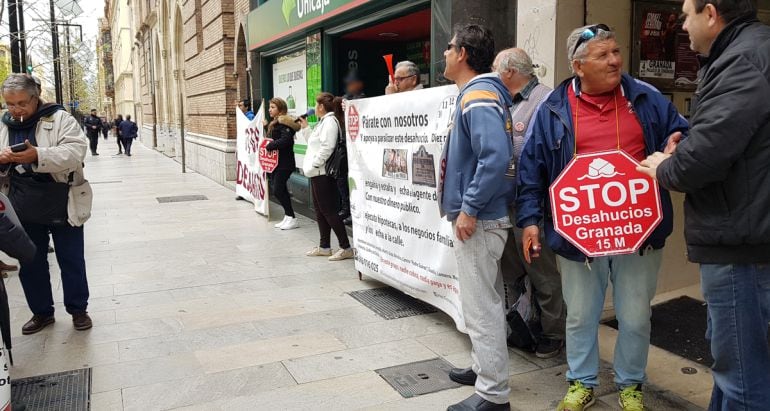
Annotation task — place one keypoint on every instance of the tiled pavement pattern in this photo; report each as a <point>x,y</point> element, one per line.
<point>203,305</point>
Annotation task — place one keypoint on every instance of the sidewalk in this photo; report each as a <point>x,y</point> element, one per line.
<point>203,305</point>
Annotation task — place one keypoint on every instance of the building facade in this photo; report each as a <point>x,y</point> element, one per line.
<point>188,78</point>
<point>118,16</point>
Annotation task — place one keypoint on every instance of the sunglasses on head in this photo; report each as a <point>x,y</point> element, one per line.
<point>588,34</point>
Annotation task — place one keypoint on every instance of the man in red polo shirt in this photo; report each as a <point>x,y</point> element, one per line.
<point>599,109</point>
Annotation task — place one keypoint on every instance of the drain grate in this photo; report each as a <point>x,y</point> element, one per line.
<point>63,391</point>
<point>391,304</point>
<point>179,199</point>
<point>418,378</point>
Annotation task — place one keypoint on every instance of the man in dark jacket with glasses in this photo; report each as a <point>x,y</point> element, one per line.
<point>724,168</point>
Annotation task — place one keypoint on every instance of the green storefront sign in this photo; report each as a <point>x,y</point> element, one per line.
<point>277,19</point>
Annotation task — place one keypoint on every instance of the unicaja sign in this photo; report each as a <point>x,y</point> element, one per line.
<point>311,6</point>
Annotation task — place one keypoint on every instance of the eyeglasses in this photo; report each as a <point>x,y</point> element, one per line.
<point>399,79</point>
<point>21,106</point>
<point>588,34</point>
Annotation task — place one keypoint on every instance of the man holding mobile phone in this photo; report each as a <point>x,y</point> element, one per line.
<point>42,149</point>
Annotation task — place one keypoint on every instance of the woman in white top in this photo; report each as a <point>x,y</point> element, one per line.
<point>321,142</point>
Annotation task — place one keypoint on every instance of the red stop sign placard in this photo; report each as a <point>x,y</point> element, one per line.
<point>353,125</point>
<point>267,159</point>
<point>603,206</point>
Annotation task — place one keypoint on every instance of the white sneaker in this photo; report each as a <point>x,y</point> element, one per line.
<point>290,224</point>
<point>279,225</point>
<point>319,252</point>
<point>342,254</point>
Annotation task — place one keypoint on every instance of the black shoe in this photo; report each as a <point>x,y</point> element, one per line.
<point>548,347</point>
<point>81,321</point>
<point>37,323</point>
<point>347,221</point>
<point>94,154</point>
<point>476,403</point>
<point>464,376</point>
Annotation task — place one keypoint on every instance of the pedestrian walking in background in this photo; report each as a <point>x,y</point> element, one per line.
<point>46,186</point>
<point>116,132</point>
<point>724,169</point>
<point>282,129</point>
<point>128,132</point>
<point>475,194</point>
<point>613,111</point>
<point>106,125</point>
<point>93,127</point>
<point>321,143</point>
<point>517,73</point>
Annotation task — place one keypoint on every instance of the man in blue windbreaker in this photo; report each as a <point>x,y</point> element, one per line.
<point>475,193</point>
<point>614,111</point>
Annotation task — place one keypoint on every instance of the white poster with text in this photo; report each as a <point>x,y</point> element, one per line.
<point>251,179</point>
<point>290,84</point>
<point>394,147</point>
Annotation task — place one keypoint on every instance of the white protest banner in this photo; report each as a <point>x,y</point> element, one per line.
<point>251,179</point>
<point>394,147</point>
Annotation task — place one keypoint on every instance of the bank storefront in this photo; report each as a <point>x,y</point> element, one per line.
<point>302,47</point>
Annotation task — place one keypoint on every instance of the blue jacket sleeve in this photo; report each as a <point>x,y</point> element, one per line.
<point>493,148</point>
<point>532,177</point>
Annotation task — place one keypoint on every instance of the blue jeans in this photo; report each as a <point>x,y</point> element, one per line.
<point>634,280</point>
<point>36,278</point>
<point>738,298</point>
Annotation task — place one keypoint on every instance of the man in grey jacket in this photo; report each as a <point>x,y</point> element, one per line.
<point>517,72</point>
<point>724,168</point>
<point>49,152</point>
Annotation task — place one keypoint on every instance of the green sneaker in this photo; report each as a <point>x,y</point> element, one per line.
<point>578,398</point>
<point>630,398</point>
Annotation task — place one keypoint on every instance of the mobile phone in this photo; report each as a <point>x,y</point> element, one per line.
<point>18,148</point>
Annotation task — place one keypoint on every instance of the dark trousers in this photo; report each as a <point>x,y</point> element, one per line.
<point>127,144</point>
<point>278,188</point>
<point>325,202</point>
<point>104,133</point>
<point>342,187</point>
<point>93,139</point>
<point>36,278</point>
<point>120,144</point>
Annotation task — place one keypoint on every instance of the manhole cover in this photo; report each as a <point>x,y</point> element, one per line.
<point>179,199</point>
<point>418,378</point>
<point>65,391</point>
<point>391,304</point>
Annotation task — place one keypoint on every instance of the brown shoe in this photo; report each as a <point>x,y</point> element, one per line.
<point>7,267</point>
<point>37,323</point>
<point>81,321</point>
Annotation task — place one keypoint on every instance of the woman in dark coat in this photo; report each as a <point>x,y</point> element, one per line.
<point>282,129</point>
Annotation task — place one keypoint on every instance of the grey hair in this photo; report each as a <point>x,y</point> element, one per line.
<point>515,59</point>
<point>411,68</point>
<point>21,82</point>
<point>573,38</point>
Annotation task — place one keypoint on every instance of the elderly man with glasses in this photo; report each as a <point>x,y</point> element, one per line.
<point>613,111</point>
<point>406,77</point>
<point>42,149</point>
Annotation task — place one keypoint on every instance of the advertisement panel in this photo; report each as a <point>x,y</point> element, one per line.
<point>290,84</point>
